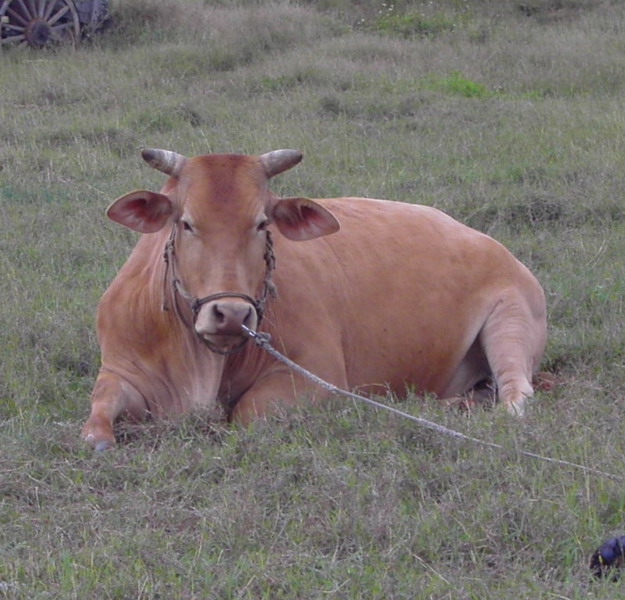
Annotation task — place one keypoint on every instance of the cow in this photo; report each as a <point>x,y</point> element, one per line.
<point>377,295</point>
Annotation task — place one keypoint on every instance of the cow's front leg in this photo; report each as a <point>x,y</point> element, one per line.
<point>269,394</point>
<point>112,395</point>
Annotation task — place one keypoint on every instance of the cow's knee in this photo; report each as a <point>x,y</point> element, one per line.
<point>273,394</point>
<point>111,397</point>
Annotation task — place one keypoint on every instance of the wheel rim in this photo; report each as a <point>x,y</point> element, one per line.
<point>36,23</point>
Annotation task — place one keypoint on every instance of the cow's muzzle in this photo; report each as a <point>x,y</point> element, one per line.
<point>218,319</point>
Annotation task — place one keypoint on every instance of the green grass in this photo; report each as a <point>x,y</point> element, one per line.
<point>507,115</point>
<point>411,24</point>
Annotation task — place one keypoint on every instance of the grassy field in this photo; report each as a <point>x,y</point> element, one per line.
<point>506,114</point>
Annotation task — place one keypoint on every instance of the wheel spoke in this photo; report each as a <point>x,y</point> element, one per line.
<point>25,10</point>
<point>58,15</point>
<point>13,27</point>
<point>12,39</point>
<point>45,6</point>
<point>61,26</point>
<point>61,32</point>
<point>17,15</point>
<point>33,7</point>
<point>49,9</point>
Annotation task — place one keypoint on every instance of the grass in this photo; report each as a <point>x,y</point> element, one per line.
<point>507,115</point>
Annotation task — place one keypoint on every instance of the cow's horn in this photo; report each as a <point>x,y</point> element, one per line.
<point>279,160</point>
<point>166,161</point>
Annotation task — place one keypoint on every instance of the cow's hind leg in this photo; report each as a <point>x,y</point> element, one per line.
<point>513,340</point>
<point>111,396</point>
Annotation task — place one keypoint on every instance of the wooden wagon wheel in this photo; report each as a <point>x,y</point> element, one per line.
<point>38,22</point>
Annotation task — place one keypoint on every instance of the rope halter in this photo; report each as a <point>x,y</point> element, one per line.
<point>195,304</point>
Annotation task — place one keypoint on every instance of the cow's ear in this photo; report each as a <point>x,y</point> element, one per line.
<point>303,219</point>
<point>141,210</point>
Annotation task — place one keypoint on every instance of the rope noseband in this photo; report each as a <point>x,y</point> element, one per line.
<point>195,304</point>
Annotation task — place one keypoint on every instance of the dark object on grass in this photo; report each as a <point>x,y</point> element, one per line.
<point>609,558</point>
<point>37,23</point>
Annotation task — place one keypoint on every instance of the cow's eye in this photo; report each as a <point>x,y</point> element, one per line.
<point>262,226</point>
<point>186,226</point>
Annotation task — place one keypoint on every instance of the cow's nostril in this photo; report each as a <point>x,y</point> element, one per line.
<point>226,318</point>
<point>218,314</point>
<point>248,317</point>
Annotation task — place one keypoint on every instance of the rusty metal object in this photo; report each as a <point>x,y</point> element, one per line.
<point>37,23</point>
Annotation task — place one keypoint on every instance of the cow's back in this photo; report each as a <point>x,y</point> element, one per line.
<point>401,290</point>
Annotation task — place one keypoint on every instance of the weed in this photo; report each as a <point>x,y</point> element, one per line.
<point>413,24</point>
<point>456,83</point>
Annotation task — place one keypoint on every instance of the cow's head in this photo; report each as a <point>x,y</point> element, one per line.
<point>218,209</point>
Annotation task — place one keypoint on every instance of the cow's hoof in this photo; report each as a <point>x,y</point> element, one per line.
<point>103,445</point>
<point>99,445</point>
<point>516,409</point>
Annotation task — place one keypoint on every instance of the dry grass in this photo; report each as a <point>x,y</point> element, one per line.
<point>511,120</point>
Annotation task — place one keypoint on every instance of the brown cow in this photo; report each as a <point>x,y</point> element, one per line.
<point>398,295</point>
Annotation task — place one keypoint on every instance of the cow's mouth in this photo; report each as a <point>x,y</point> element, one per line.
<point>219,323</point>
<point>223,341</point>
<point>224,344</point>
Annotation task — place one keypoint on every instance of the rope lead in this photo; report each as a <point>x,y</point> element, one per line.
<point>263,341</point>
